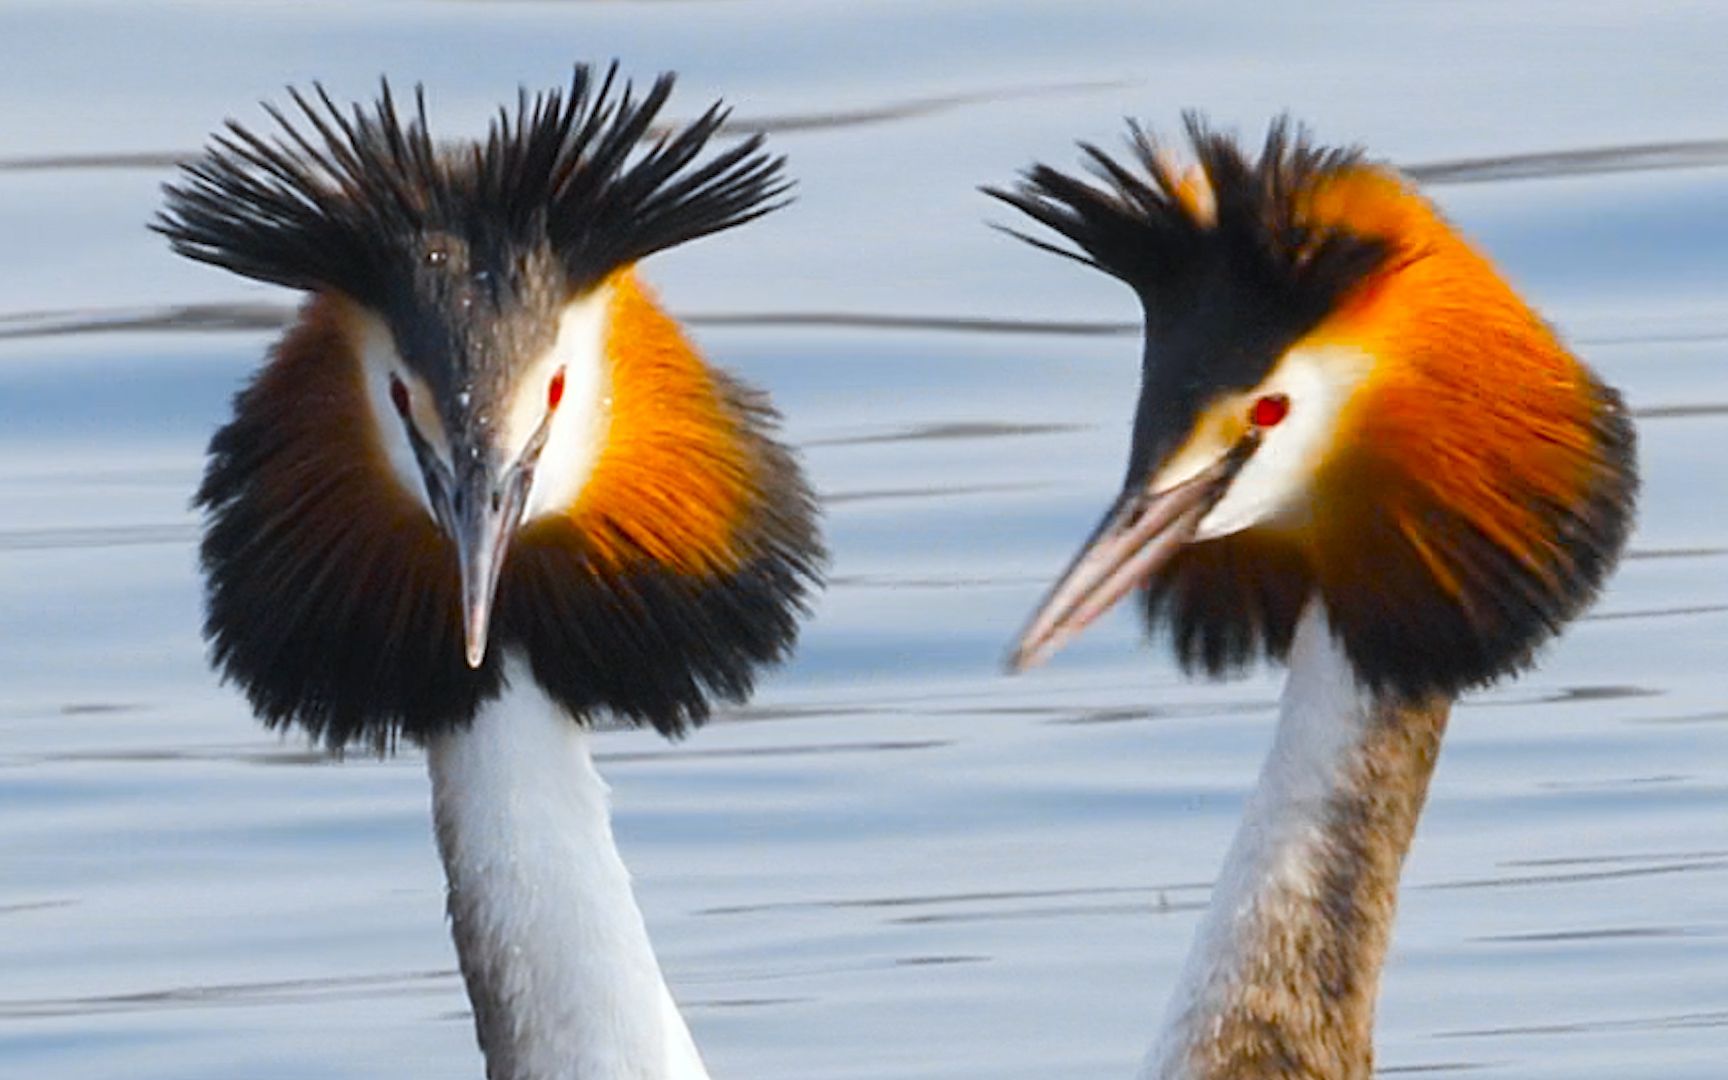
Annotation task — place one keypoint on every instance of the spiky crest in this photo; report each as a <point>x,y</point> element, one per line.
<point>1141,228</point>
<point>333,200</point>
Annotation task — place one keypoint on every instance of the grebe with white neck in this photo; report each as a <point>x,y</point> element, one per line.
<point>1356,450</point>
<point>485,490</point>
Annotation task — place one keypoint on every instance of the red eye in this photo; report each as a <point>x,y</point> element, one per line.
<point>1269,410</point>
<point>555,390</point>
<point>399,397</point>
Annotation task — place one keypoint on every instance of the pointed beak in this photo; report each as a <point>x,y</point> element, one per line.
<point>1143,530</point>
<point>480,513</point>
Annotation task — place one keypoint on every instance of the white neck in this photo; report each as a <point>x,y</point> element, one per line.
<point>1285,966</point>
<point>554,950</point>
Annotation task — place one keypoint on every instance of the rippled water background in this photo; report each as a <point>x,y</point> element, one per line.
<point>896,863</point>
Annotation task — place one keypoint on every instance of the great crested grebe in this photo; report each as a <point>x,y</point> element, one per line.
<point>483,491</point>
<point>1356,449</point>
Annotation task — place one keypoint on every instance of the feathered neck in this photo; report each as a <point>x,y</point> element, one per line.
<point>553,948</point>
<point>1284,971</point>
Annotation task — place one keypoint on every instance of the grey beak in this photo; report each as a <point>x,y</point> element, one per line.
<point>1143,530</point>
<point>481,513</point>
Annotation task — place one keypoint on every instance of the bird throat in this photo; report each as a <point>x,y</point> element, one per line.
<point>1283,974</point>
<point>552,945</point>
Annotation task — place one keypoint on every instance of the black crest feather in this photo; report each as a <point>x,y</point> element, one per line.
<point>1135,225</point>
<point>328,200</point>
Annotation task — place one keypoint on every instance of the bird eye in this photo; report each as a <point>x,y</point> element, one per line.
<point>555,390</point>
<point>1269,410</point>
<point>399,397</point>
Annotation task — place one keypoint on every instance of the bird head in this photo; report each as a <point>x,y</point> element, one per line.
<point>482,432</point>
<point>1340,399</point>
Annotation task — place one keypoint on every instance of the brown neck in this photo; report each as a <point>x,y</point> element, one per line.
<point>1283,978</point>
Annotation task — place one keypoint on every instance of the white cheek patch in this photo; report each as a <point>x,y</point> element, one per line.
<point>379,361</point>
<point>578,426</point>
<point>1274,482</point>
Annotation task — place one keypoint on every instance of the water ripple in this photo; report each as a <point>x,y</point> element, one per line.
<point>98,536</point>
<point>1660,869</point>
<point>947,430</point>
<point>1615,933</point>
<point>1670,1021</point>
<point>1589,161</point>
<point>287,991</point>
<point>1154,896</point>
<point>777,124</point>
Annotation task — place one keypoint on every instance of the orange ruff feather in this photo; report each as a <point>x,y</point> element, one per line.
<point>1471,394</point>
<point>673,480</point>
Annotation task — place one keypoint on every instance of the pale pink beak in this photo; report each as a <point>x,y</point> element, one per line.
<point>1142,531</point>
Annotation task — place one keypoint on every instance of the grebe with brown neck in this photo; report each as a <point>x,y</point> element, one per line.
<point>485,491</point>
<point>1357,450</point>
